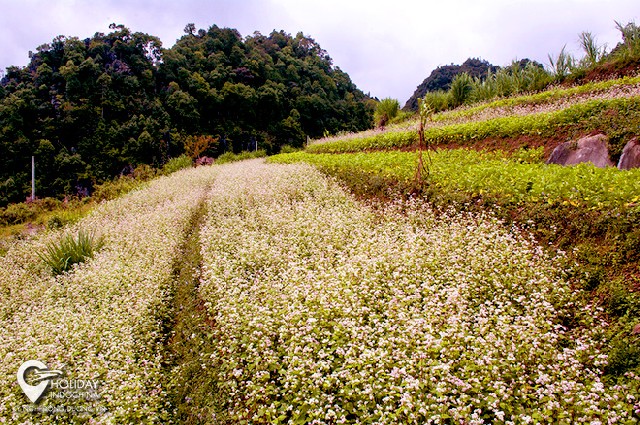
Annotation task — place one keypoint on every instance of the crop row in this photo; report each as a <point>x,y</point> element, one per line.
<point>572,94</point>
<point>330,311</point>
<point>102,320</point>
<point>482,173</point>
<point>547,101</point>
<point>544,123</point>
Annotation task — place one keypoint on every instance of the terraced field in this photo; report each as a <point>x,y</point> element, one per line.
<point>316,308</point>
<point>611,105</point>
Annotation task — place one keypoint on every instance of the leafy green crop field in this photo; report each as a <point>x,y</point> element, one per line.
<point>494,174</point>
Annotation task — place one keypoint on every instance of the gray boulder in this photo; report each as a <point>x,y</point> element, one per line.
<point>588,149</point>
<point>630,157</point>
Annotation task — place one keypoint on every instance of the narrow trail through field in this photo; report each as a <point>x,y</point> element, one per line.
<point>187,331</point>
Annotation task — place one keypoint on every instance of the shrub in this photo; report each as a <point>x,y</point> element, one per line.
<point>64,217</point>
<point>70,250</point>
<point>288,149</point>
<point>176,164</point>
<point>16,213</point>
<point>403,116</point>
<point>115,188</point>
<point>26,211</point>
<point>196,146</point>
<point>144,172</point>
<point>233,157</point>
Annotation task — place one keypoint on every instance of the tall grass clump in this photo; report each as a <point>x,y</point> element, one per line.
<point>60,256</point>
<point>439,100</point>
<point>630,39</point>
<point>593,53</point>
<point>461,88</point>
<point>386,110</point>
<point>508,81</point>
<point>562,65</point>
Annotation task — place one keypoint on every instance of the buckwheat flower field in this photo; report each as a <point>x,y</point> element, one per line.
<point>330,311</point>
<point>102,320</point>
<point>321,309</point>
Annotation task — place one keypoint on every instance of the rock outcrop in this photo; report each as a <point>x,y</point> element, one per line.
<point>592,149</point>
<point>630,157</point>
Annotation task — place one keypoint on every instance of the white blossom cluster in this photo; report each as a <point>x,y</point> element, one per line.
<point>103,319</point>
<point>323,309</point>
<point>330,311</point>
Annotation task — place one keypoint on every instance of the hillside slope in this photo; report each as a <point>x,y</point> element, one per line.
<point>309,306</point>
<point>491,157</point>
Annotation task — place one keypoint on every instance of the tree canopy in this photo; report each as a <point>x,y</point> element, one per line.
<point>90,109</point>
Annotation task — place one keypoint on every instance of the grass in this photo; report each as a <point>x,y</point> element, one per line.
<point>60,256</point>
<point>176,164</point>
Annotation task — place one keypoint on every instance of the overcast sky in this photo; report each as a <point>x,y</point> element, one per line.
<point>387,47</point>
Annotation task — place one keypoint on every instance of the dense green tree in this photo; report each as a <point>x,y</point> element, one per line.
<point>247,89</point>
<point>91,109</point>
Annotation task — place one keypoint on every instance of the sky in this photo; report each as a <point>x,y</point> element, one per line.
<point>387,47</point>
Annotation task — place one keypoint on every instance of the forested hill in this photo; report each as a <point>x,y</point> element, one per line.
<point>87,109</point>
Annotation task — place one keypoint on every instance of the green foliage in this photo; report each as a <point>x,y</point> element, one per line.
<point>520,76</point>
<point>565,66</point>
<point>386,110</point>
<point>288,149</point>
<point>630,48</point>
<point>438,100</point>
<point>26,211</point>
<point>592,115</point>
<point>62,218</point>
<point>89,109</point>
<point>233,157</point>
<point>17,213</point>
<point>510,81</point>
<point>546,96</point>
<point>176,164</point>
<point>528,156</point>
<point>510,180</point>
<point>593,52</point>
<point>60,256</point>
<point>119,186</point>
<point>440,79</point>
<point>385,140</point>
<point>402,117</point>
<point>461,88</point>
